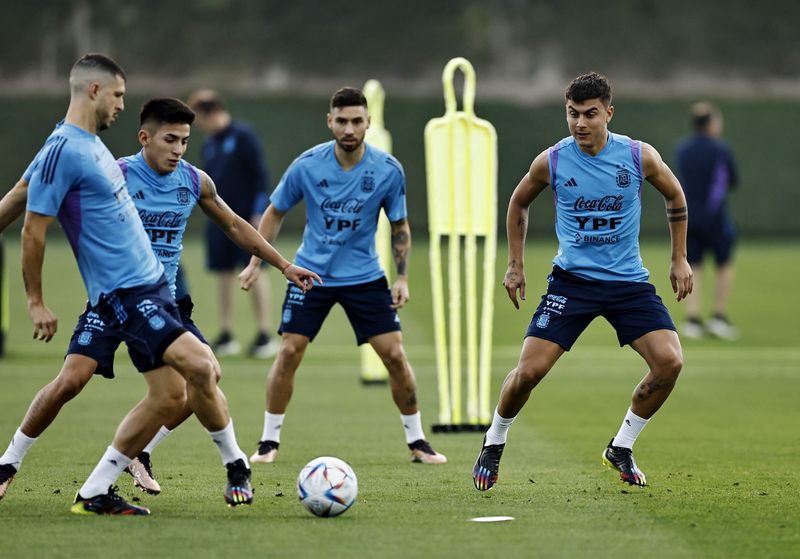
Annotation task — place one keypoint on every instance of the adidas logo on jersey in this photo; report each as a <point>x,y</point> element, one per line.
<point>139,195</point>
<point>571,182</point>
<point>322,184</point>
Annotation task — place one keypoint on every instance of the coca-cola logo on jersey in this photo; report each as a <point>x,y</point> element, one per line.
<point>161,219</point>
<point>349,206</point>
<point>604,204</point>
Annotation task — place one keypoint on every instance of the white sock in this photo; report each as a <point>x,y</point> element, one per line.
<point>226,443</point>
<point>412,425</point>
<point>631,426</point>
<point>17,448</point>
<point>104,475</point>
<point>162,434</point>
<point>498,430</point>
<point>272,426</point>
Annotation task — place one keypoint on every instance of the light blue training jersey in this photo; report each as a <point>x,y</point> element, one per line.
<point>165,203</point>
<point>342,209</point>
<point>598,209</point>
<point>75,178</point>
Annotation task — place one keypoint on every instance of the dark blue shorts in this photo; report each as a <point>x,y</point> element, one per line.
<point>99,332</point>
<point>222,255</point>
<point>92,339</point>
<point>144,362</point>
<point>571,303</point>
<point>367,306</point>
<point>718,240</point>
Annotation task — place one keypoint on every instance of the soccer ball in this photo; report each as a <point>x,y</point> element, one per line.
<point>327,486</point>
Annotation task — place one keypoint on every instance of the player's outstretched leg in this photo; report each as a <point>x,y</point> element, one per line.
<point>621,459</point>
<point>238,491</point>
<point>141,469</point>
<point>106,503</point>
<point>487,466</point>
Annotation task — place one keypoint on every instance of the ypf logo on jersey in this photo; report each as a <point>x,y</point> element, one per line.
<point>149,310</point>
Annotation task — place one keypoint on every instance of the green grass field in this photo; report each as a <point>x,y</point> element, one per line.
<point>722,457</point>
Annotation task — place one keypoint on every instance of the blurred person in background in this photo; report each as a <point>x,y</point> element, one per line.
<point>232,156</point>
<point>707,171</point>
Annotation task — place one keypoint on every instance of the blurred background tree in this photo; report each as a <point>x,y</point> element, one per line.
<point>277,63</point>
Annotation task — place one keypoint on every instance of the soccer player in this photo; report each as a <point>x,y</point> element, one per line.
<point>707,171</point>
<point>75,178</point>
<point>596,177</point>
<point>232,155</point>
<point>345,183</point>
<point>165,190</point>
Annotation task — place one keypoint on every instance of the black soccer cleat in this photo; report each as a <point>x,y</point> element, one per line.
<point>108,503</point>
<point>238,490</point>
<point>621,459</point>
<point>486,468</point>
<point>7,473</point>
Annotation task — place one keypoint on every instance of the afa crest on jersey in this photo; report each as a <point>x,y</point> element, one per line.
<point>183,196</point>
<point>623,177</point>
<point>368,183</point>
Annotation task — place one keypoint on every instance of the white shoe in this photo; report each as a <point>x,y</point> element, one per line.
<point>141,470</point>
<point>693,329</point>
<point>719,327</point>
<point>266,454</point>
<point>267,350</point>
<point>225,345</point>
<point>422,453</point>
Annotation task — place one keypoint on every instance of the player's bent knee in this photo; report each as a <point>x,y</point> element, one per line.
<point>291,351</point>
<point>530,374</point>
<point>395,358</point>
<point>673,365</point>
<point>199,371</point>
<point>168,400</point>
<point>68,384</point>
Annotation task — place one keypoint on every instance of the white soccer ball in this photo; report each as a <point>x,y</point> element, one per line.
<point>327,486</point>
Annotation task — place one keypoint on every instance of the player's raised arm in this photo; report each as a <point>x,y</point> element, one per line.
<point>661,176</point>
<point>34,232</point>
<point>12,205</point>
<point>534,181</point>
<point>247,238</point>
<point>401,250</point>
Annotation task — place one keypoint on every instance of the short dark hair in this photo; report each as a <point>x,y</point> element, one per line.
<point>99,62</point>
<point>703,113</point>
<point>589,86</point>
<point>206,101</point>
<point>348,97</point>
<point>166,110</point>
